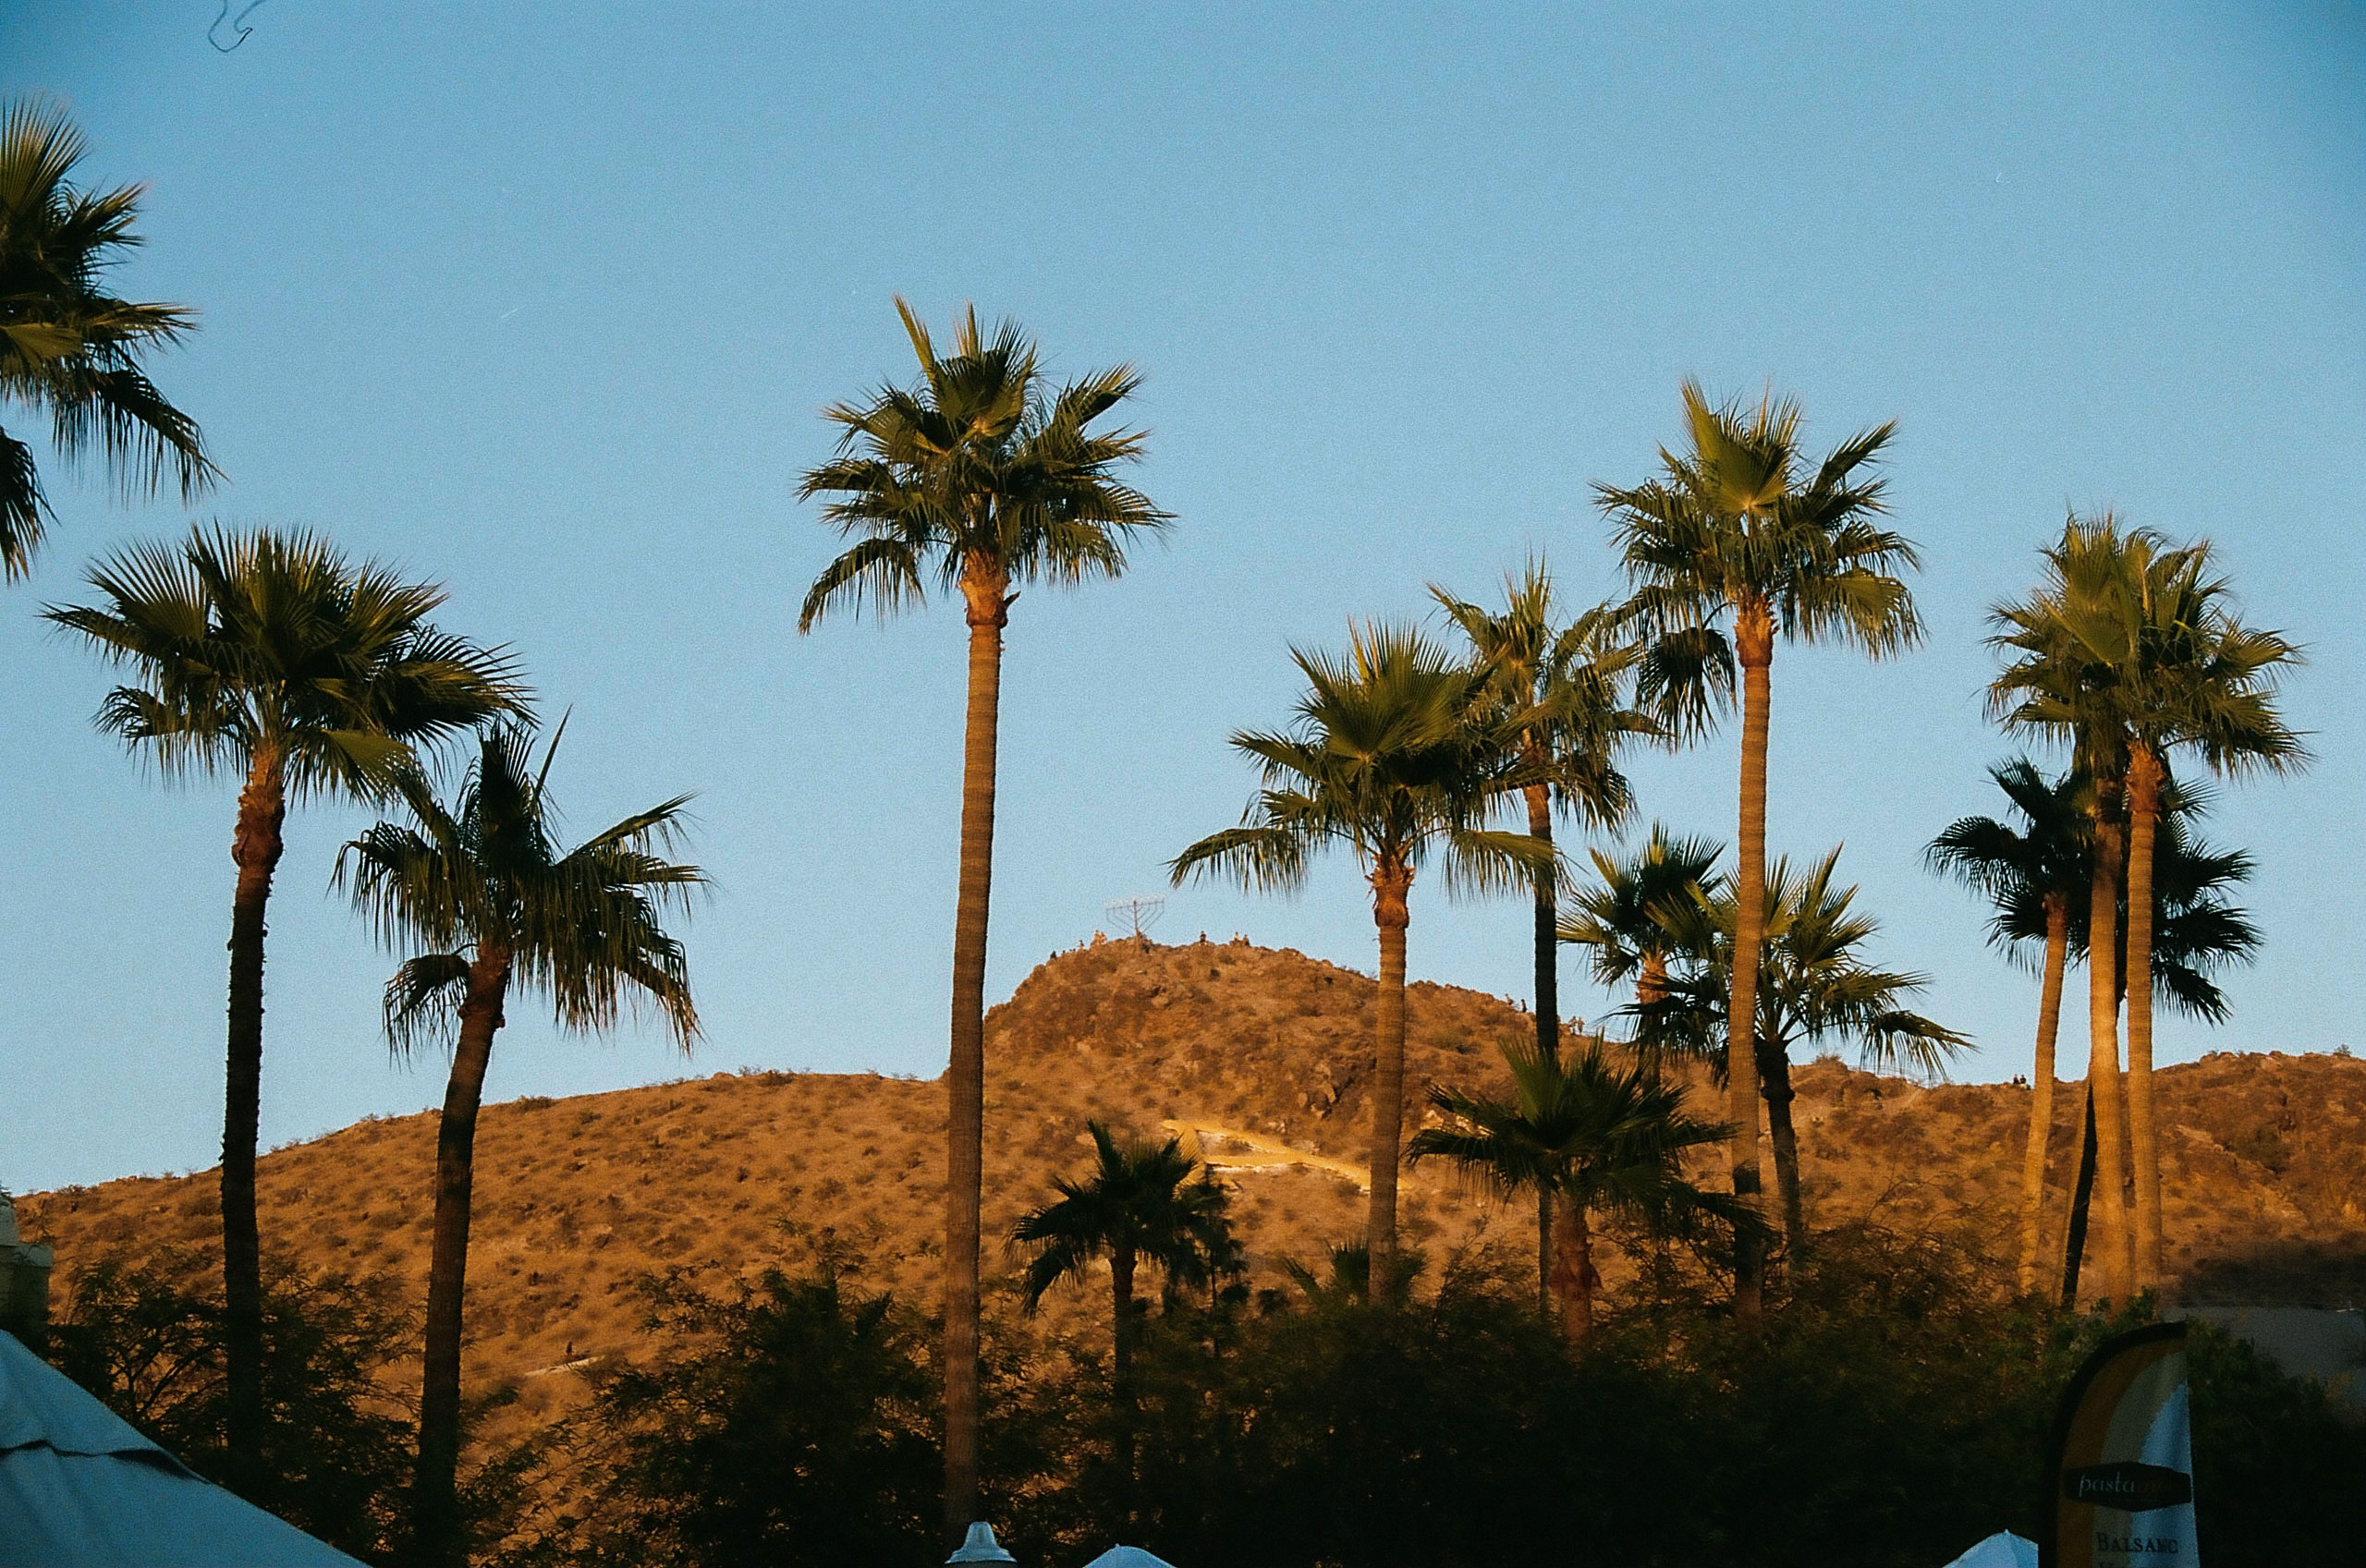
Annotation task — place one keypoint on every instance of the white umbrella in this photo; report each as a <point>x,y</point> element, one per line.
<point>80,1489</point>
<point>1127,1557</point>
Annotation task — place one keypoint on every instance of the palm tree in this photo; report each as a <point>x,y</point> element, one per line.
<point>1813,985</point>
<point>2196,932</point>
<point>68,349</point>
<point>1734,532</point>
<point>270,656</point>
<point>979,476</point>
<point>2159,661</point>
<point>484,887</point>
<point>1395,757</point>
<point>1145,1203</point>
<point>2041,864</point>
<point>1629,919</point>
<point>1591,1137</point>
<point>1565,715</point>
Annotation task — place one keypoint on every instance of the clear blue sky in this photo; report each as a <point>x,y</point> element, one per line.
<point>544,300</point>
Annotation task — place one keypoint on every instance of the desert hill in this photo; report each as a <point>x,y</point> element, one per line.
<point>1259,1056</point>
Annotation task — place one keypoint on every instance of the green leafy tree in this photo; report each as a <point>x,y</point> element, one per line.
<point>1566,717</point>
<point>982,478</point>
<point>1734,543</point>
<point>272,657</point>
<point>1393,758</point>
<point>68,349</point>
<point>484,887</point>
<point>1596,1138</point>
<point>2139,640</point>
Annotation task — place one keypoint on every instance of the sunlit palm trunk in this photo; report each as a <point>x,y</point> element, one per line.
<point>2082,1192</point>
<point>2049,1021</point>
<point>2143,1146</point>
<point>262,814</point>
<point>1391,883</point>
<point>436,1517</point>
<point>1548,1006</point>
<point>965,1072</point>
<point>1754,642</point>
<point>2102,1055</point>
<point>1573,1278</point>
<point>1775,1067</point>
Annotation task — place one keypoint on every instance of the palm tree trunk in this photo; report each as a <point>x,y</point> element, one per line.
<point>2074,1233</point>
<point>2102,1054</point>
<point>1754,643</point>
<point>1391,881</point>
<point>2049,1022</point>
<point>1548,1006</point>
<point>262,814</point>
<point>1573,1278</point>
<point>435,1523</point>
<point>986,590</point>
<point>2144,774</point>
<point>1775,1067</point>
<point>1121,1293</point>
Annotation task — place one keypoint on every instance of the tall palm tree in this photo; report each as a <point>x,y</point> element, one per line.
<point>484,886</point>
<point>981,477</point>
<point>1395,757</point>
<point>1562,692</point>
<point>273,656</point>
<point>68,349</point>
<point>1630,917</point>
<point>1736,533</point>
<point>1144,1204</point>
<point>1815,985</point>
<point>1592,1136</point>
<point>2042,863</point>
<point>2159,660</point>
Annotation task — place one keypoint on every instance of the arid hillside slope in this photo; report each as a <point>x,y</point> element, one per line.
<point>1261,1056</point>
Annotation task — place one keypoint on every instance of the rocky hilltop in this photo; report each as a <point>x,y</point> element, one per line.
<point>1260,1058</point>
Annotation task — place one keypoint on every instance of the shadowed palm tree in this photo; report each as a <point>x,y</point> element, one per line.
<point>1736,533</point>
<point>2148,640</point>
<point>982,479</point>
<point>2041,867</point>
<point>1144,1204</point>
<point>484,887</point>
<point>1395,758</point>
<point>68,349</point>
<point>272,657</point>
<point>1593,1137</point>
<point>1629,919</point>
<point>1565,718</point>
<point>1813,987</point>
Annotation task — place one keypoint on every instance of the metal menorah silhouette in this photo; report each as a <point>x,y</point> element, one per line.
<point>1136,913</point>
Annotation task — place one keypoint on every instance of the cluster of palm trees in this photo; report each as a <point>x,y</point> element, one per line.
<point>271,657</point>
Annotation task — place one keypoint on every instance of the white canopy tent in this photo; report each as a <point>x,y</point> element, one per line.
<point>80,1489</point>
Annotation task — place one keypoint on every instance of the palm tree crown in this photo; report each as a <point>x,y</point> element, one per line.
<point>68,347</point>
<point>1735,528</point>
<point>1594,1136</point>
<point>978,475</point>
<point>274,646</point>
<point>1143,1203</point>
<point>583,927</point>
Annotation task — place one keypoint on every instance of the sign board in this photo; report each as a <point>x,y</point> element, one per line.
<point>2121,1477</point>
